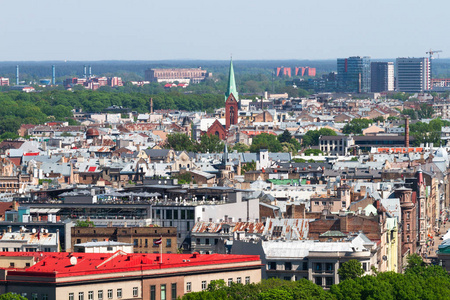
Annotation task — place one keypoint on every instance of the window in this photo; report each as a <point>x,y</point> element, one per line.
<point>408,215</point>
<point>34,296</point>
<point>110,294</point>
<point>5,249</point>
<point>174,291</point>
<point>316,203</point>
<point>135,242</point>
<point>288,266</point>
<point>119,293</point>
<point>188,286</point>
<point>287,278</point>
<point>135,292</point>
<point>247,279</point>
<point>206,241</point>
<point>319,280</point>
<point>239,280</point>
<point>168,243</point>
<point>100,295</point>
<point>80,296</point>
<point>71,296</point>
<point>407,227</point>
<point>44,297</point>
<point>152,292</point>
<point>305,266</point>
<point>203,285</point>
<point>230,281</point>
<point>329,281</point>
<point>329,266</point>
<point>163,292</point>
<point>318,267</point>
<point>272,265</point>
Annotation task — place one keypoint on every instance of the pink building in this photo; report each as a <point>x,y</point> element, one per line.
<point>4,81</point>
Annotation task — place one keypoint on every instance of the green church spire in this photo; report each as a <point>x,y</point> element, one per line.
<point>231,84</point>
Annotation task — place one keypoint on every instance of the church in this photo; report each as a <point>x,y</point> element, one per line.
<point>231,108</point>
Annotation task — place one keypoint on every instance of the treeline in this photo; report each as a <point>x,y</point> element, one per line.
<point>419,281</point>
<point>37,108</point>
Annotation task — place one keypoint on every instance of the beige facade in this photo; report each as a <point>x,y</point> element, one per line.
<point>122,276</point>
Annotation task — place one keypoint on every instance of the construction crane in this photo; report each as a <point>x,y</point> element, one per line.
<point>431,52</point>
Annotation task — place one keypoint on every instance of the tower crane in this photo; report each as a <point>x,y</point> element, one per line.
<point>431,52</point>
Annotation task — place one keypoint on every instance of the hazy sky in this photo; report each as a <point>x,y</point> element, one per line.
<point>211,29</point>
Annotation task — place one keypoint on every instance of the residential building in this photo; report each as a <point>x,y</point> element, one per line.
<point>119,275</point>
<point>314,260</point>
<point>194,75</point>
<point>283,72</point>
<point>336,145</point>
<point>305,71</point>
<point>354,74</point>
<point>382,77</point>
<point>412,75</point>
<point>4,81</point>
<point>142,238</point>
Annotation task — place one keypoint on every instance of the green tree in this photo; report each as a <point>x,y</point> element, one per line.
<point>240,147</point>
<point>350,270</point>
<point>356,126</point>
<point>426,111</point>
<point>210,143</point>
<point>11,296</point>
<point>311,138</point>
<point>81,223</point>
<point>410,112</point>
<point>286,136</point>
<point>314,152</point>
<point>250,166</point>
<point>265,141</point>
<point>179,142</point>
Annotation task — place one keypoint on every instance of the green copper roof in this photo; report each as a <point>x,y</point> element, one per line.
<point>231,84</point>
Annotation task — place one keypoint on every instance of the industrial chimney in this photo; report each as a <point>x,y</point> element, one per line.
<point>53,75</point>
<point>90,72</point>
<point>406,131</point>
<point>17,75</point>
<point>84,71</point>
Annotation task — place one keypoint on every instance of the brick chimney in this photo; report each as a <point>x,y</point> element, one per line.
<point>407,131</point>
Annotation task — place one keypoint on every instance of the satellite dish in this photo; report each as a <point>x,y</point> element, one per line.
<point>73,260</point>
<point>384,257</point>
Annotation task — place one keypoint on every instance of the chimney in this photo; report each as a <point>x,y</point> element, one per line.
<point>344,224</point>
<point>53,75</point>
<point>407,131</point>
<point>151,105</point>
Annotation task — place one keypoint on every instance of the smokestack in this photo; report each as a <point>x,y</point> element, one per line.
<point>407,131</point>
<point>151,105</point>
<point>90,71</point>
<point>53,75</point>
<point>84,71</point>
<point>17,75</point>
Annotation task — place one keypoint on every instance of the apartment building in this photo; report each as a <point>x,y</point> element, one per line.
<point>88,276</point>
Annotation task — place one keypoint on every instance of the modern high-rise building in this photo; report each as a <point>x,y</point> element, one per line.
<point>354,74</point>
<point>412,74</point>
<point>382,77</point>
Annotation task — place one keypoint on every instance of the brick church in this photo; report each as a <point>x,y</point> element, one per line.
<point>231,108</point>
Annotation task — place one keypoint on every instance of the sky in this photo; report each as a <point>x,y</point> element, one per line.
<point>214,30</point>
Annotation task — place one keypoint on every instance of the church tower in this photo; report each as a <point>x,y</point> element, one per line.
<point>231,100</point>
